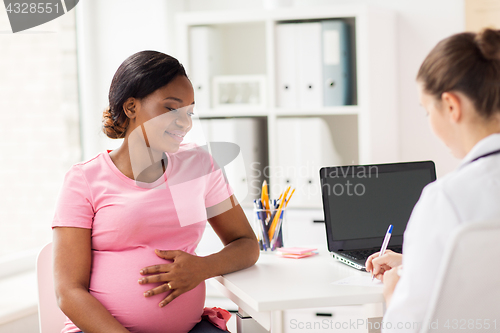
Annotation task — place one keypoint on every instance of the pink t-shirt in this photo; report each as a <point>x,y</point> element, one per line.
<point>129,220</point>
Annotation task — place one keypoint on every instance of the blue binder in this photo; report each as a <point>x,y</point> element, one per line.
<point>336,66</point>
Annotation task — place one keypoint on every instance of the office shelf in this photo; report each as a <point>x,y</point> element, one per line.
<point>214,113</point>
<point>365,132</point>
<point>325,111</point>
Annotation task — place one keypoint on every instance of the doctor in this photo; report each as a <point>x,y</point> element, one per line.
<point>459,87</point>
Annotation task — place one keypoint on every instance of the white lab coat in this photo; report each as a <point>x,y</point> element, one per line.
<point>469,194</point>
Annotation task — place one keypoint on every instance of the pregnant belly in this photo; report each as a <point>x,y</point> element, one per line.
<point>114,283</point>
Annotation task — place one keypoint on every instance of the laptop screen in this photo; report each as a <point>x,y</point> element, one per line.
<point>361,201</point>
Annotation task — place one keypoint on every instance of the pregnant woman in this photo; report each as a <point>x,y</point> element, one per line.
<point>128,221</point>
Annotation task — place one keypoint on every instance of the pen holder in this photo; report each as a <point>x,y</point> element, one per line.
<point>268,227</point>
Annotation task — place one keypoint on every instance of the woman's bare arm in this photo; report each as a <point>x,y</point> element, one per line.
<point>72,262</point>
<point>241,249</point>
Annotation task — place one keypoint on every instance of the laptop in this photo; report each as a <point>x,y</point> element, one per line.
<point>361,201</point>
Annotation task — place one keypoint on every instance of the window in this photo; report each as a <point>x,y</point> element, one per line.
<point>39,128</point>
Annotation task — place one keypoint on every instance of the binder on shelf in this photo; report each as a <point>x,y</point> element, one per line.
<point>302,155</point>
<point>313,64</point>
<point>203,61</point>
<point>309,66</point>
<point>317,150</point>
<point>335,59</point>
<point>286,65</point>
<point>245,173</point>
<point>287,157</point>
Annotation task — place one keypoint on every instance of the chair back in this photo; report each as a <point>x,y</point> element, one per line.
<point>51,318</point>
<point>467,293</point>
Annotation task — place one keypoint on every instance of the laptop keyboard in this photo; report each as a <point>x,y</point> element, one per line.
<point>364,254</point>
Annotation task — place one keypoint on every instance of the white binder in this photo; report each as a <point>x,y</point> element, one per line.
<point>286,65</point>
<point>302,155</point>
<point>309,66</point>
<point>203,61</point>
<point>287,157</point>
<point>317,150</point>
<point>244,174</point>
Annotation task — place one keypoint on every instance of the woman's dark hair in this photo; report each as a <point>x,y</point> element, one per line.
<point>138,76</point>
<point>469,63</point>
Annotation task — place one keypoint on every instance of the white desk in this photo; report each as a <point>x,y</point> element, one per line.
<point>275,284</point>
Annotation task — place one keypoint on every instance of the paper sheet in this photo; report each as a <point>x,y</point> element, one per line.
<point>359,280</point>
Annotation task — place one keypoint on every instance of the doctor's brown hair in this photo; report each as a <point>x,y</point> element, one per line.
<point>138,76</point>
<point>469,63</point>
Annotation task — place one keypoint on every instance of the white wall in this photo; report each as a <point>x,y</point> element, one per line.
<point>39,137</point>
<point>421,24</point>
<point>109,32</point>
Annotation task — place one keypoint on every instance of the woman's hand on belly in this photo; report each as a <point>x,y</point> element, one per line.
<point>183,274</point>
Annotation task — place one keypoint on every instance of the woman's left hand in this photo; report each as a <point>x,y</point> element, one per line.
<point>183,274</point>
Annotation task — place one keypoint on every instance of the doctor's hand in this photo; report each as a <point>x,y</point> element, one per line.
<point>390,279</point>
<point>378,265</point>
<point>183,274</point>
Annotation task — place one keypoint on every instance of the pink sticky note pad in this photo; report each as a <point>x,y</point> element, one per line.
<point>295,250</point>
<point>296,256</point>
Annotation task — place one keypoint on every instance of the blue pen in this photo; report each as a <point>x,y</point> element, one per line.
<point>258,206</point>
<point>259,226</point>
<point>275,209</point>
<point>385,243</point>
<point>262,218</point>
<point>277,240</point>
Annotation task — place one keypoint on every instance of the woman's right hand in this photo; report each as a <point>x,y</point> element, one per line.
<point>378,265</point>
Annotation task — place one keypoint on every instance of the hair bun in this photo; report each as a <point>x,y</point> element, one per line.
<point>110,126</point>
<point>488,41</point>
